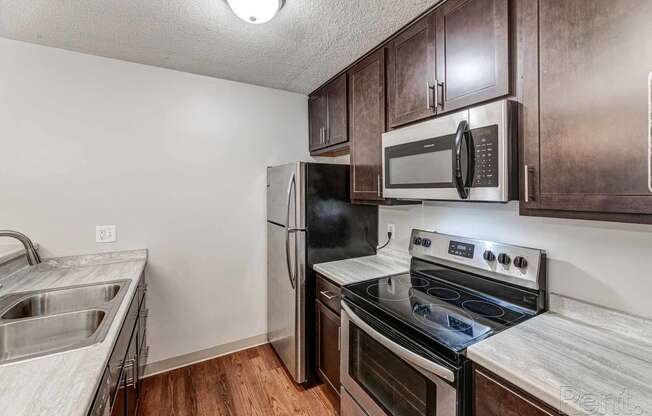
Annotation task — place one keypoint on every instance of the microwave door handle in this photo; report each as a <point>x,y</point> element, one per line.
<point>422,364</point>
<point>461,134</point>
<point>470,159</point>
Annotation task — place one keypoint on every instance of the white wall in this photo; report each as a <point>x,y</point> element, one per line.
<point>176,161</point>
<point>600,262</point>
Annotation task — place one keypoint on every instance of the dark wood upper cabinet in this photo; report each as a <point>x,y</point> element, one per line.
<point>336,106</point>
<point>327,109</point>
<point>496,397</point>
<point>472,44</point>
<point>590,155</point>
<point>411,74</point>
<point>366,126</point>
<point>317,119</point>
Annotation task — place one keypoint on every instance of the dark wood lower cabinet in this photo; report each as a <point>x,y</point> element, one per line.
<point>496,397</point>
<point>327,323</point>
<point>120,391</point>
<point>328,346</point>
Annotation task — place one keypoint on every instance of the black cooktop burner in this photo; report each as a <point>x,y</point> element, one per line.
<point>453,316</point>
<point>483,308</point>
<point>443,293</point>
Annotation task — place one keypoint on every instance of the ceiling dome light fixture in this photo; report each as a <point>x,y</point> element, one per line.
<point>255,11</point>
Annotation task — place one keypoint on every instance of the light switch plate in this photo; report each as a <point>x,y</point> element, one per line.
<point>105,234</point>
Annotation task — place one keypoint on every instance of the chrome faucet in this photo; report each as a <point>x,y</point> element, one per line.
<point>32,256</point>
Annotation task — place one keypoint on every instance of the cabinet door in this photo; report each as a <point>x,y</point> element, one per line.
<point>120,403</point>
<point>411,74</point>
<point>328,346</point>
<point>366,126</point>
<point>495,398</point>
<point>472,51</point>
<point>595,60</point>
<point>317,120</point>
<point>336,109</point>
<point>131,370</point>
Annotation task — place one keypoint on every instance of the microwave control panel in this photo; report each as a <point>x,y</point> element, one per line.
<point>485,141</point>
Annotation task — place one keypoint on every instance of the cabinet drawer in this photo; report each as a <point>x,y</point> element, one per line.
<point>329,293</point>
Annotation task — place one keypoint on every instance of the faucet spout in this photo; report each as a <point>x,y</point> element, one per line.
<point>32,255</point>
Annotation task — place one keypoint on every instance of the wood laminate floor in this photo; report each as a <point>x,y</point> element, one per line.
<point>246,383</point>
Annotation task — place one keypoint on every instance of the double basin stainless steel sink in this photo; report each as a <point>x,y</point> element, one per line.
<point>44,322</point>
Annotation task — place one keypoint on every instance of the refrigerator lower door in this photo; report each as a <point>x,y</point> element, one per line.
<point>286,297</point>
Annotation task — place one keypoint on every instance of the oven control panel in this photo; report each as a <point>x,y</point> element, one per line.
<point>458,248</point>
<point>485,141</point>
<point>509,263</point>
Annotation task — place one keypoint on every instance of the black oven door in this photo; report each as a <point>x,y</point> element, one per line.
<point>386,377</point>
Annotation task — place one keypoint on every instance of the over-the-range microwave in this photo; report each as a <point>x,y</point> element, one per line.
<point>465,156</point>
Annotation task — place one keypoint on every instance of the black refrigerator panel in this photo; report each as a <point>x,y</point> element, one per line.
<point>335,228</point>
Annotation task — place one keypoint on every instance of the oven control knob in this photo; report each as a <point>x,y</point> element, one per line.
<point>489,255</point>
<point>417,241</point>
<point>504,259</point>
<point>520,262</point>
<point>426,242</point>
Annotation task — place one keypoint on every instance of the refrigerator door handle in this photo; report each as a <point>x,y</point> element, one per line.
<point>292,269</point>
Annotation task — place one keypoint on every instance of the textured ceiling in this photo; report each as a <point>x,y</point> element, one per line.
<point>308,42</point>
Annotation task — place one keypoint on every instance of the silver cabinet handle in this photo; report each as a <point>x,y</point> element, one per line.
<point>326,138</point>
<point>339,338</point>
<point>288,230</point>
<point>328,295</point>
<point>131,365</point>
<point>322,137</point>
<point>649,130</point>
<point>378,177</point>
<point>416,360</point>
<point>439,102</point>
<point>526,184</point>
<point>429,92</point>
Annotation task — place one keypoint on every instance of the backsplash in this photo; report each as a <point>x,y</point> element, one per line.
<point>599,262</point>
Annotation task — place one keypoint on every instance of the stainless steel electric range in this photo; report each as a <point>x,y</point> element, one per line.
<point>404,337</point>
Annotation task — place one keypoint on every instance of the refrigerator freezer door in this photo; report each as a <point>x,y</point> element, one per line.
<point>285,300</point>
<point>285,193</point>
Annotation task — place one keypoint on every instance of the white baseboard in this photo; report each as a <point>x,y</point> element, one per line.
<point>184,360</point>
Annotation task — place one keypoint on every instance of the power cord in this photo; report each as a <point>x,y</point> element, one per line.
<point>389,238</point>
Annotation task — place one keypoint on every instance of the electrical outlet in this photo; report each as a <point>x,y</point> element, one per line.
<point>391,228</point>
<point>105,234</point>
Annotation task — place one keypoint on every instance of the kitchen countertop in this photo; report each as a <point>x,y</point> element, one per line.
<point>386,262</point>
<point>65,383</point>
<point>10,251</point>
<point>578,358</point>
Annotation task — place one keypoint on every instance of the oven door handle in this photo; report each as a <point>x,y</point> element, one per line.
<point>416,360</point>
<point>460,182</point>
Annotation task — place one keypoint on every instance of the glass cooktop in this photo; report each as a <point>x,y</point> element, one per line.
<point>453,316</point>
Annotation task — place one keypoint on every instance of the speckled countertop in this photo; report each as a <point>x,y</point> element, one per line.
<point>385,263</point>
<point>65,383</point>
<point>579,358</point>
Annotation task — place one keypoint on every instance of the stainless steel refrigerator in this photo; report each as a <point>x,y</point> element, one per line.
<point>310,220</point>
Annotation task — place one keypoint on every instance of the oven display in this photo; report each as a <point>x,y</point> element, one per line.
<point>457,248</point>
